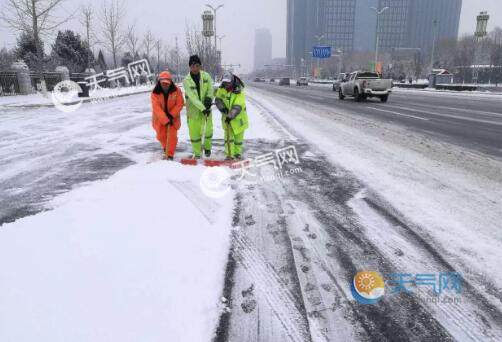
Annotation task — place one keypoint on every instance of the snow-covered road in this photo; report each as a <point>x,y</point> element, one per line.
<point>370,196</point>
<point>281,253</point>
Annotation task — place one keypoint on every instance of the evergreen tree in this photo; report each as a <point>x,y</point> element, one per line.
<point>29,51</point>
<point>127,58</point>
<point>101,61</point>
<point>69,50</point>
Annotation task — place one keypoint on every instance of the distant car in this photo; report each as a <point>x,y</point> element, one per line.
<point>272,80</point>
<point>259,80</point>
<point>302,81</point>
<point>338,82</point>
<point>285,81</point>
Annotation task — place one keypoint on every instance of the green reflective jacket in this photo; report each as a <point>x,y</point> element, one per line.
<point>241,122</point>
<point>194,103</point>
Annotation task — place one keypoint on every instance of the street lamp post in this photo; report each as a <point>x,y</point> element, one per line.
<point>215,9</point>
<point>319,40</point>
<point>220,38</point>
<point>378,13</point>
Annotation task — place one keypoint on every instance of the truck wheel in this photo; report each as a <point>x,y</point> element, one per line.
<point>340,94</point>
<point>384,98</point>
<point>357,96</point>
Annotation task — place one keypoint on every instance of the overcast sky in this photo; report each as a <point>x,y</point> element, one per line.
<point>237,21</point>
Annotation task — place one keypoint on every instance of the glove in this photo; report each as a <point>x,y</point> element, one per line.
<point>227,120</point>
<point>208,102</point>
<point>236,110</point>
<point>207,112</point>
<point>221,106</point>
<point>170,118</point>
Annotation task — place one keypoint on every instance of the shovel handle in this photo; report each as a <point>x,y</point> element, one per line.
<point>167,140</point>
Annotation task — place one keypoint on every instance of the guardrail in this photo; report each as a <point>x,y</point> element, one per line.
<point>456,87</point>
<point>411,86</point>
<point>9,84</point>
<point>50,78</point>
<point>321,81</point>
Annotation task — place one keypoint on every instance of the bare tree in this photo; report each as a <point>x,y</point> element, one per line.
<point>132,40</point>
<point>148,44</point>
<point>34,17</point>
<point>446,51</point>
<point>496,56</point>
<point>465,57</point>
<point>86,19</point>
<point>158,48</point>
<point>112,18</point>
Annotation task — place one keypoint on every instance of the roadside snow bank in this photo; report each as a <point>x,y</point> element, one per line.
<point>138,257</point>
<point>39,99</point>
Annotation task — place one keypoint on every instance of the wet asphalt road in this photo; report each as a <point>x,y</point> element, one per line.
<point>469,120</point>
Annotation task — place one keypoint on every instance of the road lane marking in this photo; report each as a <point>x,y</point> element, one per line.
<point>427,112</point>
<point>317,98</point>
<point>397,113</point>
<point>470,111</point>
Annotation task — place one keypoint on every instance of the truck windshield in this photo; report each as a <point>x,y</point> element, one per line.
<point>368,75</point>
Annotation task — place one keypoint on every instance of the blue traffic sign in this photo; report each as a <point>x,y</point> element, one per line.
<point>321,51</point>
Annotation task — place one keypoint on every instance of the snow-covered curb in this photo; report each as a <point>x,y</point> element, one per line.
<point>429,91</point>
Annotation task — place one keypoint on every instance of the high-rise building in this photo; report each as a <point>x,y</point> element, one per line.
<point>350,25</point>
<point>262,49</point>
<point>417,23</point>
<point>342,24</point>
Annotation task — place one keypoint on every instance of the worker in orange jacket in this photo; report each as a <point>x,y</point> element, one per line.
<point>167,103</point>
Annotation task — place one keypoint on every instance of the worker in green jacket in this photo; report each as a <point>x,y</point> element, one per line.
<point>199,94</point>
<point>231,102</point>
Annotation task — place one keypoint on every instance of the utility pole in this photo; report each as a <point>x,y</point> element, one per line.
<point>220,38</point>
<point>378,13</point>
<point>435,23</point>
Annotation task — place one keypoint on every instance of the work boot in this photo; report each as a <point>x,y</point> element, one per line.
<point>238,157</point>
<point>170,158</point>
<point>207,153</point>
<point>229,158</point>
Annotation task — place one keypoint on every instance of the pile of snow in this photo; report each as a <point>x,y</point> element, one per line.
<point>138,257</point>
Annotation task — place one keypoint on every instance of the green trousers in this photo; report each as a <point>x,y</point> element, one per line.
<point>234,143</point>
<point>200,127</point>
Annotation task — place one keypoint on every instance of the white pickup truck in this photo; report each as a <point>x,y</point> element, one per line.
<point>363,84</point>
